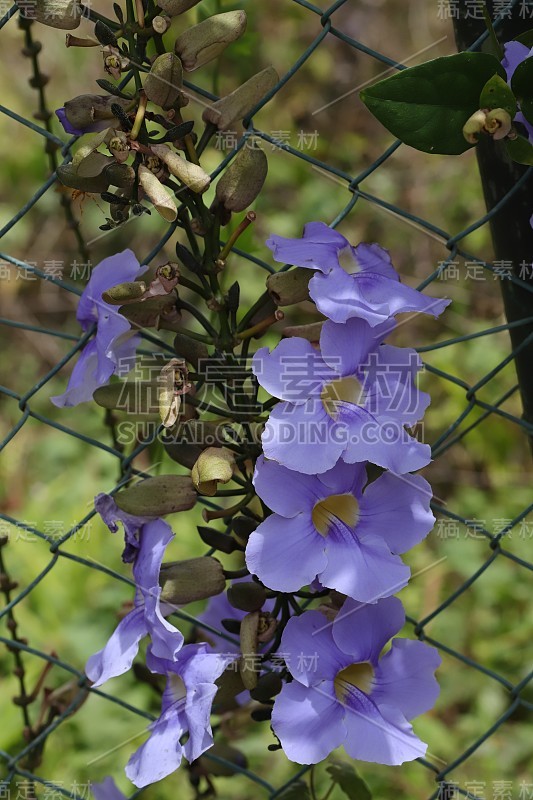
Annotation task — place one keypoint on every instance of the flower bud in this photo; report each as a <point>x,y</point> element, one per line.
<point>243,180</point>
<point>237,105</point>
<point>248,666</point>
<point>311,332</point>
<point>473,126</point>
<point>118,145</point>
<point>204,42</point>
<point>184,582</point>
<point>155,497</point>
<point>192,175</point>
<point>124,293</point>
<point>88,176</point>
<point>287,288</point>
<point>175,7</point>
<point>156,192</point>
<point>62,14</point>
<point>215,465</point>
<point>164,84</point>
<point>498,123</point>
<point>190,349</point>
<point>247,596</point>
<point>134,397</point>
<point>86,109</point>
<point>151,312</point>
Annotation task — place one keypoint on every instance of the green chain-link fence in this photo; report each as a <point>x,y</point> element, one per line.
<point>476,414</point>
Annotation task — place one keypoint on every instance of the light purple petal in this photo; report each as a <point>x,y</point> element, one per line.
<point>160,755</point>
<point>285,491</point>
<point>363,569</point>
<point>337,297</point>
<point>404,678</point>
<point>119,268</point>
<point>304,437</point>
<point>373,290</point>
<point>308,722</point>
<point>112,333</point>
<point>381,736</point>
<point>390,384</point>
<point>344,479</point>
<point>346,347</point>
<point>375,259</point>
<point>111,514</point>
<point>83,381</point>
<point>362,631</point>
<point>107,790</point>
<point>515,53</point>
<point>388,445</point>
<point>286,554</point>
<point>396,509</point>
<point>117,656</point>
<point>309,650</point>
<point>317,249</point>
<point>167,640</point>
<point>293,371</point>
<point>155,536</point>
<point>198,708</point>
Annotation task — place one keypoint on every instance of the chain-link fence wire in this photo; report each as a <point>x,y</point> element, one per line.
<point>493,545</point>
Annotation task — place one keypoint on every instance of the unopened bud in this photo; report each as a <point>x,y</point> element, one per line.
<point>124,293</point>
<point>156,192</point>
<point>474,125</point>
<point>247,663</point>
<point>498,123</point>
<point>85,109</point>
<point>243,180</point>
<point>287,288</point>
<point>247,596</point>
<point>190,349</point>
<point>88,176</point>
<point>215,465</point>
<point>184,582</point>
<point>155,497</point>
<point>192,175</point>
<point>237,105</point>
<point>311,332</point>
<point>175,7</point>
<point>62,14</point>
<point>164,84</point>
<point>204,42</point>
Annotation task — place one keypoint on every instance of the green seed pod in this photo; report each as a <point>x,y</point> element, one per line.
<point>164,84</point>
<point>243,180</point>
<point>62,14</point>
<point>184,582</point>
<point>155,497</point>
<point>287,288</point>
<point>204,42</point>
<point>236,106</point>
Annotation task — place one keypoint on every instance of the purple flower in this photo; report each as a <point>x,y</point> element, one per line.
<point>515,53</point>
<point>351,281</point>
<point>186,709</point>
<point>97,125</point>
<point>111,514</point>
<point>147,616</point>
<point>326,526</point>
<point>343,693</point>
<point>352,400</point>
<point>114,343</point>
<point>107,790</point>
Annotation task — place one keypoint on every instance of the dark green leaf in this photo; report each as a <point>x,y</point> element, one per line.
<point>104,34</point>
<point>347,779</point>
<point>426,106</point>
<point>118,12</point>
<point>522,86</point>
<point>298,790</point>
<point>110,88</point>
<point>520,150</point>
<point>496,94</point>
<point>525,38</point>
<point>218,540</point>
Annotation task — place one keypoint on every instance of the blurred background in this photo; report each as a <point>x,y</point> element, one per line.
<point>48,478</point>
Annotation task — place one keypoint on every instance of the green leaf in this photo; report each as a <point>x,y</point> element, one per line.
<point>426,106</point>
<point>520,150</point>
<point>522,86</point>
<point>347,779</point>
<point>497,94</point>
<point>525,38</point>
<point>296,791</point>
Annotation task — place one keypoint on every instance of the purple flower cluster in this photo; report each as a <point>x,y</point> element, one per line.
<point>345,405</point>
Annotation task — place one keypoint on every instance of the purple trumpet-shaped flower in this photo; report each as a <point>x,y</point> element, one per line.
<point>515,53</point>
<point>351,281</point>
<point>147,615</point>
<point>343,693</point>
<point>107,790</point>
<point>93,127</point>
<point>186,709</point>
<point>111,514</point>
<point>325,526</point>
<point>114,345</point>
<point>352,400</point>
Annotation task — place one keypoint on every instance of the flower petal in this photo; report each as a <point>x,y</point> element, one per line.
<point>317,249</point>
<point>293,371</point>
<point>161,754</point>
<point>107,790</point>
<point>404,678</point>
<point>345,347</point>
<point>283,490</point>
<point>309,650</point>
<point>364,630</point>
<point>83,381</point>
<point>117,656</point>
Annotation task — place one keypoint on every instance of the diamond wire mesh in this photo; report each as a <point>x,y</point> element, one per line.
<point>452,245</point>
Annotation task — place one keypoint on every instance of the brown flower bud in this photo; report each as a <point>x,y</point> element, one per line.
<point>237,105</point>
<point>62,14</point>
<point>155,497</point>
<point>247,596</point>
<point>175,7</point>
<point>184,582</point>
<point>248,663</point>
<point>207,40</point>
<point>215,465</point>
<point>243,180</point>
<point>89,176</point>
<point>192,175</point>
<point>287,288</point>
<point>164,84</point>
<point>85,109</point>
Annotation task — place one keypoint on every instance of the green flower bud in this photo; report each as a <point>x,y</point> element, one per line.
<point>62,14</point>
<point>184,582</point>
<point>215,465</point>
<point>155,497</point>
<point>243,180</point>
<point>192,175</point>
<point>156,192</point>
<point>237,105</point>
<point>474,125</point>
<point>204,42</point>
<point>287,288</point>
<point>124,293</point>
<point>136,398</point>
<point>164,84</point>
<point>175,7</point>
<point>81,111</point>
<point>248,596</point>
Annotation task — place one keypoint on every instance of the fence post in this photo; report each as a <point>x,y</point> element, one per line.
<point>511,231</point>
